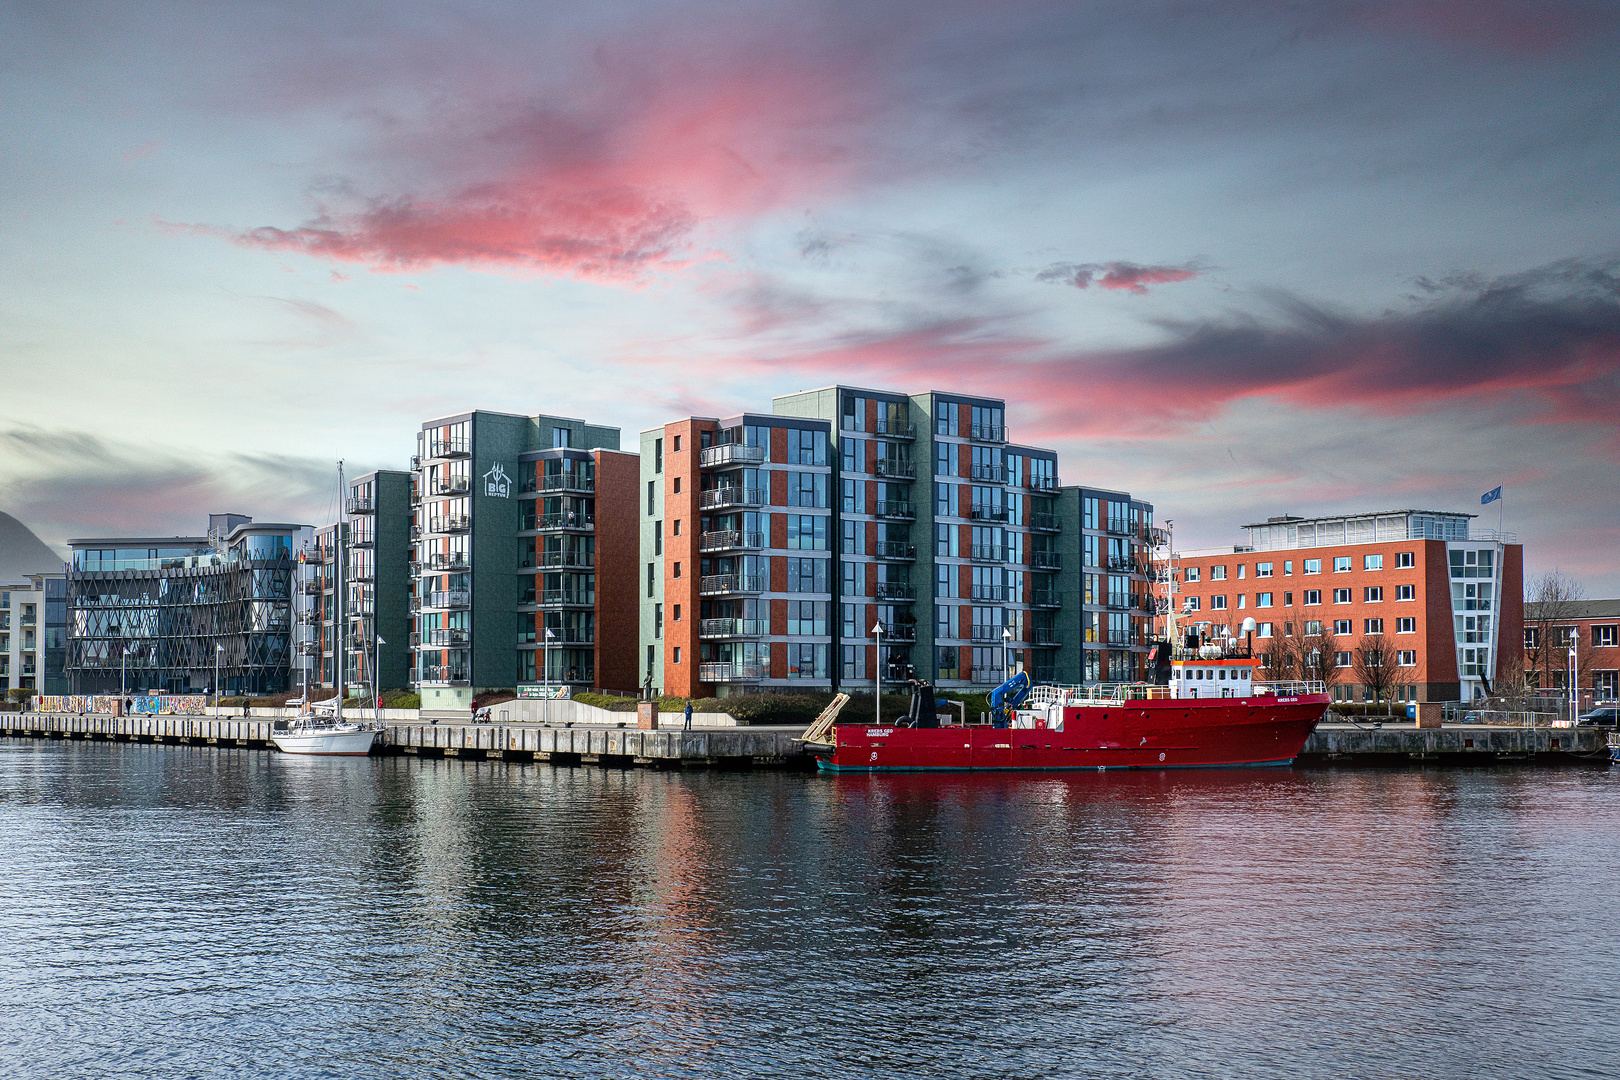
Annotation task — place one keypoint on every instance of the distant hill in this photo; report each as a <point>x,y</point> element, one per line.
<point>22,553</point>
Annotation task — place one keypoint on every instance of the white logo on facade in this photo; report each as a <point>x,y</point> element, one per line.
<point>496,483</point>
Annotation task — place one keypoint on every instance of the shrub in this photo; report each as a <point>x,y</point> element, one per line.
<point>492,697</point>
<point>610,702</point>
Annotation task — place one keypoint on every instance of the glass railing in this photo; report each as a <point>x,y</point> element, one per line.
<point>725,628</point>
<point>730,495</point>
<point>725,673</point>
<point>721,584</point>
<point>727,539</point>
<point>730,454</point>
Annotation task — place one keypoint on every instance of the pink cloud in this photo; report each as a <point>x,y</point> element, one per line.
<point>1120,276</point>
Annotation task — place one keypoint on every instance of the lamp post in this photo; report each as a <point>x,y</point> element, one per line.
<point>376,680</point>
<point>219,651</point>
<point>123,671</point>
<point>1574,675</point>
<point>1006,652</point>
<point>877,628</point>
<point>545,674</point>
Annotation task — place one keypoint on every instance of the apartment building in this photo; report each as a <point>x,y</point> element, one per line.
<point>379,578</point>
<point>1589,628</point>
<point>317,613</point>
<point>1105,605</point>
<point>844,518</point>
<point>33,634</point>
<point>165,613</point>
<point>518,580</point>
<point>1440,599</point>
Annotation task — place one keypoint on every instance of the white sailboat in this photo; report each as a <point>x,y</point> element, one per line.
<point>330,735</point>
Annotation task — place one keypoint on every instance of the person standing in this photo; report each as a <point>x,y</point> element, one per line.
<point>688,714</point>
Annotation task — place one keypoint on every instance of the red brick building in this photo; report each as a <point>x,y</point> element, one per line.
<point>1592,628</point>
<point>1442,601</point>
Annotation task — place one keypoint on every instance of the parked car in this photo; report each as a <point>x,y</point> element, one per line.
<point>1602,716</point>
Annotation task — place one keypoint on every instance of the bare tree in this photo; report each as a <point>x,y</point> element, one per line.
<point>1319,657</point>
<point>1552,604</point>
<point>1375,663</point>
<point>1279,658</point>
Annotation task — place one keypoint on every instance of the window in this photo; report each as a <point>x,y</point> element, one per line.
<point>560,436</point>
<point>1217,603</point>
<point>1243,600</point>
<point>1192,573</point>
<point>677,485</point>
<point>807,489</point>
<point>1217,573</point>
<point>677,613</point>
<point>1372,594</point>
<point>807,575</point>
<point>1406,658</point>
<point>1341,596</point>
<point>652,657</point>
<point>807,618</point>
<point>1241,568</point>
<point>658,455</point>
<point>676,528</point>
<point>807,533</point>
<point>1193,603</point>
<point>1341,626</point>
<point>1313,566</point>
<point>1262,599</point>
<point>1532,638</point>
<point>806,447</point>
<point>1288,568</point>
<point>1341,564</point>
<point>1288,599</point>
<point>1406,592</point>
<point>1265,629</point>
<point>652,496</point>
<point>677,654</point>
<point>1406,626</point>
<point>1262,569</point>
<point>1372,562</point>
<point>677,572</point>
<point>658,538</point>
<point>1313,627</point>
<point>658,620</point>
<point>1312,597</point>
<point>1372,626</point>
<point>1603,637</point>
<point>1403,560</point>
<point>676,446</point>
<point>650,568</point>
<point>1341,659</point>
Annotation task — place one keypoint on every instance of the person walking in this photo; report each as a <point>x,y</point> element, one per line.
<point>688,714</point>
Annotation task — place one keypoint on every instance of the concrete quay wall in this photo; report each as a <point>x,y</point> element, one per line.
<point>1462,744</point>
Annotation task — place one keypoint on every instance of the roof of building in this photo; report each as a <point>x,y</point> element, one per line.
<point>22,553</point>
<point>1289,519</point>
<point>1573,609</point>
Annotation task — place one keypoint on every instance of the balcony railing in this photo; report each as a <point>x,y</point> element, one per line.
<point>449,638</point>
<point>360,607</point>
<point>895,550</point>
<point>443,677</point>
<point>449,598</point>
<point>440,560</point>
<point>561,523</point>
<point>1045,523</point>
<point>1044,636</point>
<point>1118,637</point>
<point>565,598</point>
<point>448,448</point>
<point>732,628</point>
<point>985,512</point>
<point>1041,483</point>
<point>997,593</point>
<point>1046,560</point>
<point>984,632</point>
<point>1120,527</point>
<point>561,635</point>
<point>987,676</point>
<point>716,457</point>
<point>730,495</point>
<point>416,532</point>
<point>364,573</point>
<point>900,632</point>
<point>731,540</point>
<point>1045,598</point>
<point>987,433</point>
<point>566,481</point>
<point>726,584</point>
<point>987,553</point>
<point>891,509</point>
<point>414,603</point>
<point>449,485</point>
<point>994,474</point>
<point>455,523</point>
<point>1121,563</point>
<point>577,560</point>
<point>896,468</point>
<point>416,463</point>
<point>729,673</point>
<point>895,429</point>
<point>896,590</point>
<point>359,505</point>
<point>312,587</point>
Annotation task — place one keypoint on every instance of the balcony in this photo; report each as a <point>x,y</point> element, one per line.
<point>718,457</point>
<point>730,673</point>
<point>566,481</point>
<point>443,677</point>
<point>570,522</point>
<point>1120,527</point>
<point>449,485</point>
<point>414,603</point>
<point>732,628</point>
<point>730,540</point>
<point>455,523</point>
<point>1045,598</point>
<point>557,598</point>
<point>359,505</point>
<point>449,638</point>
<point>309,618</point>
<point>981,633</point>
<point>987,433</point>
<point>567,560</point>
<point>1046,560</point>
<point>309,648</point>
<point>449,598</point>
<point>997,593</point>
<point>416,463</point>
<point>985,512</point>
<point>562,635</point>
<point>1044,636</point>
<point>987,676</point>
<point>730,584</point>
<point>360,607</point>
<point>416,532</point>
<point>994,474</point>
<point>902,511</point>
<point>895,551</point>
<point>1041,483</point>
<point>1045,523</point>
<point>1118,637</point>
<point>896,468</point>
<point>440,560</point>
<point>900,633</point>
<point>449,448</point>
<point>1118,563</point>
<point>364,573</point>
<point>312,587</point>
<point>895,429</point>
<point>896,590</point>
<point>730,495</point>
<point>361,542</point>
<point>987,553</point>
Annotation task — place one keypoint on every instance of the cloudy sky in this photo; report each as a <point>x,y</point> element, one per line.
<point>1240,259</point>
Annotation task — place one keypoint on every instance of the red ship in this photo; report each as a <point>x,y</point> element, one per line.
<point>1205,709</point>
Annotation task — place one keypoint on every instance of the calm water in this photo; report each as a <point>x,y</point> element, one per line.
<point>172,912</point>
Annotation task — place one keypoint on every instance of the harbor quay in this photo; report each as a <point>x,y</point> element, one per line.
<point>622,746</point>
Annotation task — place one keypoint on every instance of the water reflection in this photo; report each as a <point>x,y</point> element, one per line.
<point>290,917</point>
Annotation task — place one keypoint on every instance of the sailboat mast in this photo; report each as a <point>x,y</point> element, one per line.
<point>340,557</point>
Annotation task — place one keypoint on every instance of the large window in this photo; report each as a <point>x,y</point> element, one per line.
<point>807,489</point>
<point>807,575</point>
<point>806,532</point>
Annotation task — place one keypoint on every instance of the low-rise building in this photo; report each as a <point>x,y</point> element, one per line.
<point>1581,636</point>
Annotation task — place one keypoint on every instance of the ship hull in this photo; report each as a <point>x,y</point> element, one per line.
<point>1147,734</point>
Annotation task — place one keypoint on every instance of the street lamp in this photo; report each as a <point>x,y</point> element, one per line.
<point>219,650</point>
<point>545,674</point>
<point>1574,676</point>
<point>877,628</point>
<point>376,680</point>
<point>1006,654</point>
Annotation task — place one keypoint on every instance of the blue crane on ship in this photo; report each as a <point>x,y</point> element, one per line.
<point>1008,697</point>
